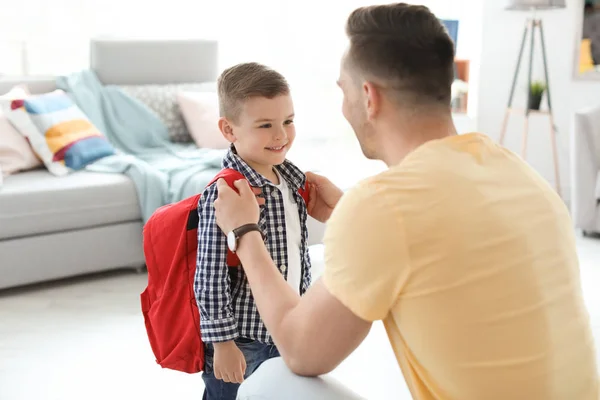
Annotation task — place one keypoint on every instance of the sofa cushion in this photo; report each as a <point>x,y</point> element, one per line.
<point>200,111</point>
<point>15,152</point>
<point>162,99</point>
<point>36,202</point>
<point>59,132</point>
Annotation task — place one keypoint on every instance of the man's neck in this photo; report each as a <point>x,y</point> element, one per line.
<point>404,134</point>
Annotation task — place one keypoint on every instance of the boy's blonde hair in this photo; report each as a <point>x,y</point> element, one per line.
<point>243,81</point>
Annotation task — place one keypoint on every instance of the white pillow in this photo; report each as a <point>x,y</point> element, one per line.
<point>15,152</point>
<point>200,111</point>
<point>20,119</point>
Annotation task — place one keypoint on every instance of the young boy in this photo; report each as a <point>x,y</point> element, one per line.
<point>257,117</point>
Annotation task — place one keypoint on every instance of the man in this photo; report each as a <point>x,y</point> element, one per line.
<point>463,250</point>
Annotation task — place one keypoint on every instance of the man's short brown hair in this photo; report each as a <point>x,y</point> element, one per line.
<point>243,81</point>
<point>405,48</point>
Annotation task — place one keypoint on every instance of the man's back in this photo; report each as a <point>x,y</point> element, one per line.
<point>486,302</point>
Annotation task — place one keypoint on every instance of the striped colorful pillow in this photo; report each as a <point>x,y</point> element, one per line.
<point>59,132</point>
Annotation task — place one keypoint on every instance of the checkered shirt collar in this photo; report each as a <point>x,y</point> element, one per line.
<point>294,177</point>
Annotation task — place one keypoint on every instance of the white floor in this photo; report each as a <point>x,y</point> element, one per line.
<point>85,339</point>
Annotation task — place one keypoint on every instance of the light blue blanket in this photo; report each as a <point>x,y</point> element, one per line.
<point>163,172</point>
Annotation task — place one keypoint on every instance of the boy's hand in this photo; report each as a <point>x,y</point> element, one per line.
<point>229,362</point>
<point>323,196</point>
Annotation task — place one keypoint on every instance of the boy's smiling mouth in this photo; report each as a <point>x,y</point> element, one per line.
<point>276,149</point>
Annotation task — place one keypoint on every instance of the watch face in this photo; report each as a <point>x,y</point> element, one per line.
<point>231,242</point>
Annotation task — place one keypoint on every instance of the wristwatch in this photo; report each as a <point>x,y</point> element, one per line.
<point>234,236</point>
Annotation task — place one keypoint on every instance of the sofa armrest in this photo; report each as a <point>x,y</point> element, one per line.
<point>584,167</point>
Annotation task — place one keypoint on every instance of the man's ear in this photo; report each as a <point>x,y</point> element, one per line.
<point>226,129</point>
<point>373,99</point>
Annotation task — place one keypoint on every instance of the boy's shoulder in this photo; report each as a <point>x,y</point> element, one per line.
<point>229,173</point>
<point>209,192</point>
<point>210,189</point>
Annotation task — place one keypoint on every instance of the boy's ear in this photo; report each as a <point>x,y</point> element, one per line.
<point>226,129</point>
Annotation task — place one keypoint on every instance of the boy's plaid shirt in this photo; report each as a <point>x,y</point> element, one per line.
<point>227,308</point>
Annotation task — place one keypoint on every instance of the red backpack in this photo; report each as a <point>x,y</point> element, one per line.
<point>169,305</point>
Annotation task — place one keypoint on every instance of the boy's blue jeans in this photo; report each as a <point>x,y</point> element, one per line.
<point>255,353</point>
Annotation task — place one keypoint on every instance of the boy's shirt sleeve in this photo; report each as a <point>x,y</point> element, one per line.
<point>212,282</point>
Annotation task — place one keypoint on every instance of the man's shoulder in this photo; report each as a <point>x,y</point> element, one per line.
<point>382,183</point>
<point>364,197</point>
<point>388,194</point>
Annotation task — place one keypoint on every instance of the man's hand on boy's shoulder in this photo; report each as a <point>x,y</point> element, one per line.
<point>229,363</point>
<point>323,196</point>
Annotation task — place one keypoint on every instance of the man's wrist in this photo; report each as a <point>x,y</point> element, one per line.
<point>248,241</point>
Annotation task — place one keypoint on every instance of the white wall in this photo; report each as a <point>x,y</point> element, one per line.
<point>501,36</point>
<point>302,39</point>
<point>57,32</point>
<point>305,41</point>
<point>468,13</point>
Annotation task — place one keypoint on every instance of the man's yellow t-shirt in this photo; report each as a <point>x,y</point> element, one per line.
<point>469,258</point>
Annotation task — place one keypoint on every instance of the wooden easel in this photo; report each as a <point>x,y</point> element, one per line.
<point>532,24</point>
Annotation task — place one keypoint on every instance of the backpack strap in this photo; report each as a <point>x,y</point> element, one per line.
<point>230,175</point>
<point>305,192</point>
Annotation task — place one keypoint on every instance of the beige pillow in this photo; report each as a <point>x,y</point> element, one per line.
<point>200,112</point>
<point>15,152</point>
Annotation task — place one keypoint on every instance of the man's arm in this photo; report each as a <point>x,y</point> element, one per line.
<point>366,266</point>
<point>212,281</point>
<point>313,334</point>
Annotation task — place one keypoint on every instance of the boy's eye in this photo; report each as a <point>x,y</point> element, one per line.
<point>289,122</point>
<point>265,126</point>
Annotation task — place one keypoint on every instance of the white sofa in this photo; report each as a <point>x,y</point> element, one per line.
<point>57,227</point>
<point>585,170</point>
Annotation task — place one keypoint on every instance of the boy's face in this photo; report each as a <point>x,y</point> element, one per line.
<point>263,132</point>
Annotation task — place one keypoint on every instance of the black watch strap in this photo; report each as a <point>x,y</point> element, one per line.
<point>242,230</point>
